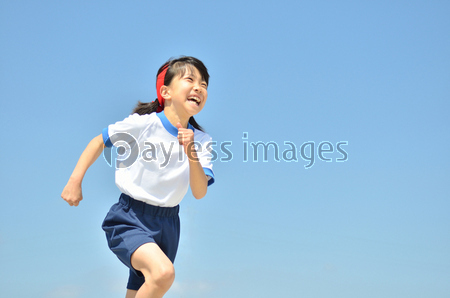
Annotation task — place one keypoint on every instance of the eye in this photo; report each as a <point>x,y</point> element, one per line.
<point>204,85</point>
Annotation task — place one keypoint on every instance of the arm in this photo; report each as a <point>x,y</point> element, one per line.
<point>197,177</point>
<point>72,191</point>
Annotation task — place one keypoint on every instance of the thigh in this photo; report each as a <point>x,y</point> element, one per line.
<point>125,232</point>
<point>170,237</point>
<point>150,259</point>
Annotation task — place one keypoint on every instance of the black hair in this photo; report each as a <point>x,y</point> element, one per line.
<point>177,66</point>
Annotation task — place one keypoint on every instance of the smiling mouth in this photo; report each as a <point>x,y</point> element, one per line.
<point>194,99</point>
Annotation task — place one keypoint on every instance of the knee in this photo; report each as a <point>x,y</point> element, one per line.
<point>164,276</point>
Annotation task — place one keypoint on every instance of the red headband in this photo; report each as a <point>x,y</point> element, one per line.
<point>159,84</point>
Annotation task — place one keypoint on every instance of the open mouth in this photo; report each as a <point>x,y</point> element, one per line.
<point>194,99</point>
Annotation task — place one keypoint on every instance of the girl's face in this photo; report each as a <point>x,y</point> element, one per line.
<point>188,92</point>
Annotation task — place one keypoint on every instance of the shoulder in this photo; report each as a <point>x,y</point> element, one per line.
<point>201,136</point>
<point>137,120</point>
<point>132,124</point>
<point>141,118</point>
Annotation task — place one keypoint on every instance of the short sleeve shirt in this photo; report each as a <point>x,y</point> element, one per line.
<point>151,165</point>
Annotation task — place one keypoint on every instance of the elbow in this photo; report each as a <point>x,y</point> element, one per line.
<point>199,188</point>
<point>199,196</point>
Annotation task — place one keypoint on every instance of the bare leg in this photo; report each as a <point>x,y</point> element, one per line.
<point>131,294</point>
<point>158,271</point>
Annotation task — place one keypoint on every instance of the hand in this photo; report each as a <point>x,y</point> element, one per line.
<point>186,138</point>
<point>72,193</point>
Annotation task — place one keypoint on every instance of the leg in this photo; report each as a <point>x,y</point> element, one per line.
<point>158,270</point>
<point>131,294</point>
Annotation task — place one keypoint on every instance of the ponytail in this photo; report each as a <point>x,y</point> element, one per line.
<point>195,124</point>
<point>143,108</point>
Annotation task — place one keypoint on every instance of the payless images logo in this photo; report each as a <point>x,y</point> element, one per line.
<point>128,151</point>
<point>289,152</point>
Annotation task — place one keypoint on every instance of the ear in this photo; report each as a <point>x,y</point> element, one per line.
<point>165,92</point>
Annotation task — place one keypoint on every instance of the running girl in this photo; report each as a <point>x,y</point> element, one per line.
<point>143,228</point>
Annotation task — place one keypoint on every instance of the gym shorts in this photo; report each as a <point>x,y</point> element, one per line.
<point>131,223</point>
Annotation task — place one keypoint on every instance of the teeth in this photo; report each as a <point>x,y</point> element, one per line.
<point>197,100</point>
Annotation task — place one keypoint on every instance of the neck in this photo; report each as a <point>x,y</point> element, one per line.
<point>175,118</point>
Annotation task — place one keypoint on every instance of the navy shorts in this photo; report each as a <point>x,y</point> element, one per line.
<point>131,223</point>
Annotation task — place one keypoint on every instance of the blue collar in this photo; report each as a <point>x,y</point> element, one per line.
<point>168,126</point>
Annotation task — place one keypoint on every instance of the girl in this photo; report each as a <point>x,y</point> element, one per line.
<point>173,153</point>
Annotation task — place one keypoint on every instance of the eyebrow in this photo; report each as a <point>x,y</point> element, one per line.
<point>192,74</point>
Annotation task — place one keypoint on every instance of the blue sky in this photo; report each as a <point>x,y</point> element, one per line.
<point>372,74</point>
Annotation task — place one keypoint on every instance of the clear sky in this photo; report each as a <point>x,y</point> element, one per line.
<point>369,78</point>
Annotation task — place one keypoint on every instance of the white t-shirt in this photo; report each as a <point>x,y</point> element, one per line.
<point>152,166</point>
